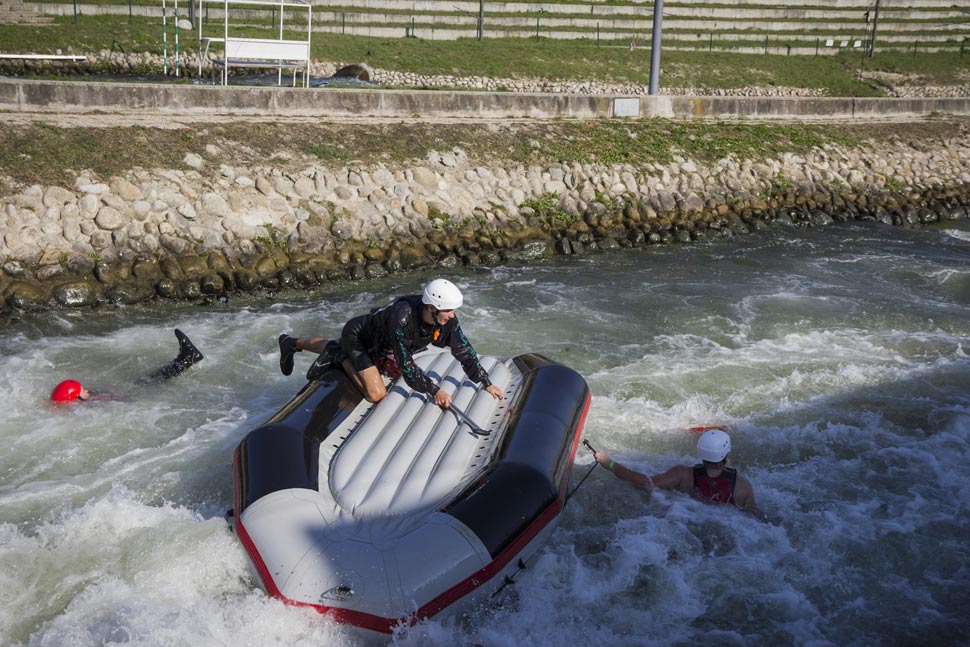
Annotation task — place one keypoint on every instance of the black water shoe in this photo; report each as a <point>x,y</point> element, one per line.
<point>287,349</point>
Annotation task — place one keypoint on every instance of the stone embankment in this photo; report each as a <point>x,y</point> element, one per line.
<point>213,230</point>
<point>116,62</point>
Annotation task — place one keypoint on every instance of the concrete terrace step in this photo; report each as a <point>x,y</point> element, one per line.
<point>15,12</point>
<point>934,22</point>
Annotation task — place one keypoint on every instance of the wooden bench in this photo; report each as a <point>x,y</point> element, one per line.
<point>265,52</point>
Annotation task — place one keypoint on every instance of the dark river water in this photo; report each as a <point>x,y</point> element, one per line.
<point>837,358</point>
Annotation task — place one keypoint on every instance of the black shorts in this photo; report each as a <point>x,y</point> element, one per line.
<point>352,344</point>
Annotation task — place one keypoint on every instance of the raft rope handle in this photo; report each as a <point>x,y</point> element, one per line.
<point>588,446</point>
<point>478,431</point>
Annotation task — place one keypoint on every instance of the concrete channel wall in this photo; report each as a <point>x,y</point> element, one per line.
<point>18,95</point>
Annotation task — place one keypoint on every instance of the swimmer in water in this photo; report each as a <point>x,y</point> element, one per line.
<point>72,390</point>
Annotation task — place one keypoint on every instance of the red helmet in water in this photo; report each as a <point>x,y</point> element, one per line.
<point>66,391</point>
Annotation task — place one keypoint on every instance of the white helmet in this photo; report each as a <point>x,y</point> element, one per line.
<point>442,294</point>
<point>713,446</point>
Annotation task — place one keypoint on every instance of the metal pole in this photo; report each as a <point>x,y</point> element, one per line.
<point>481,19</point>
<point>75,11</point>
<point>875,23</point>
<point>309,34</point>
<point>164,39</point>
<point>537,29</point>
<point>658,12</point>
<point>129,12</point>
<point>176,37</point>
<point>225,39</point>
<point>199,34</point>
<point>280,69</point>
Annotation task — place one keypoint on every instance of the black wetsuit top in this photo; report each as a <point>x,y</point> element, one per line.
<point>398,328</point>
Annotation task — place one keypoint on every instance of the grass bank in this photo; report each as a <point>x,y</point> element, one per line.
<point>578,60</point>
<point>47,154</point>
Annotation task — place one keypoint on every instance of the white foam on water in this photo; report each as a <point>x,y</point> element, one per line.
<point>117,570</point>
<point>847,396</point>
<point>958,234</point>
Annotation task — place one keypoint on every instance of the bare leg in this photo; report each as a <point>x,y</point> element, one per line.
<point>315,344</point>
<point>369,381</point>
<point>291,345</point>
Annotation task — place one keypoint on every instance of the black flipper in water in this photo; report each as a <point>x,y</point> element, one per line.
<point>188,355</point>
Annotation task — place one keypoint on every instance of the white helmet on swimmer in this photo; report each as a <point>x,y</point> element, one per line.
<point>442,294</point>
<point>713,446</point>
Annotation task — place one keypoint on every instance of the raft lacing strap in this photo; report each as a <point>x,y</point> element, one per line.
<point>583,480</point>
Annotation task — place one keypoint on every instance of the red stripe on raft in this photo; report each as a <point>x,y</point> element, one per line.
<point>345,616</point>
<point>236,483</point>
<point>579,434</point>
<point>468,585</point>
<point>443,601</point>
<point>386,625</point>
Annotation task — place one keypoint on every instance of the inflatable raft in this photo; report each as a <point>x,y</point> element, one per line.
<point>382,515</point>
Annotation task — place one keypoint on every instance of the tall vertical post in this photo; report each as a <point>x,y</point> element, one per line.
<point>309,34</point>
<point>198,31</point>
<point>176,37</point>
<point>481,19</point>
<point>279,80</point>
<point>164,39</point>
<point>872,39</point>
<point>658,12</point>
<point>225,38</point>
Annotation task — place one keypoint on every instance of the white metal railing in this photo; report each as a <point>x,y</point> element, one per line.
<point>238,51</point>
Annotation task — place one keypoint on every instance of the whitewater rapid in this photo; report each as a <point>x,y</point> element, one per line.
<point>837,358</point>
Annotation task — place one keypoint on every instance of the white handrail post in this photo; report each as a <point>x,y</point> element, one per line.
<point>176,38</point>
<point>164,39</point>
<point>279,74</point>
<point>309,33</point>
<point>225,43</point>
<point>198,25</point>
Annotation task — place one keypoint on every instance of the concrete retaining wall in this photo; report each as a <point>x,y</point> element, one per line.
<point>88,97</point>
